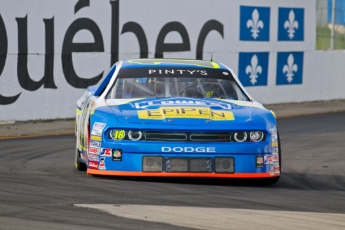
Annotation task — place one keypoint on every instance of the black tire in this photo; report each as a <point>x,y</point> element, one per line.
<point>270,181</point>
<point>78,164</point>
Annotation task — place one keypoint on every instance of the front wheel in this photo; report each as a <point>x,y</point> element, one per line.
<point>78,164</point>
<point>270,181</point>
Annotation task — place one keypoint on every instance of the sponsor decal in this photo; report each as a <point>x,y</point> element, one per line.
<point>277,171</point>
<point>276,164</point>
<point>268,159</point>
<point>96,138</point>
<point>274,131</point>
<point>93,164</point>
<point>259,162</point>
<point>97,128</point>
<point>189,149</point>
<point>95,144</point>
<point>275,158</point>
<point>102,163</point>
<point>275,151</point>
<point>145,104</point>
<point>93,157</point>
<point>274,137</point>
<point>272,170</point>
<point>117,155</point>
<point>176,72</point>
<point>94,151</point>
<point>274,144</point>
<point>276,167</point>
<point>106,153</point>
<point>185,112</point>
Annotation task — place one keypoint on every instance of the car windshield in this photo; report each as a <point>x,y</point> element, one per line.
<point>155,84</point>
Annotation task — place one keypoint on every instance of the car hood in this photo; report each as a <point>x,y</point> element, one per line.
<point>182,111</point>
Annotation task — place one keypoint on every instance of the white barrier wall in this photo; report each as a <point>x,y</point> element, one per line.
<point>50,51</point>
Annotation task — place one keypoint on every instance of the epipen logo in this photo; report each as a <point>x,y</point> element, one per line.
<point>185,112</point>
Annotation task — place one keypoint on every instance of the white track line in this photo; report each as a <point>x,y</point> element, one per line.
<point>224,218</point>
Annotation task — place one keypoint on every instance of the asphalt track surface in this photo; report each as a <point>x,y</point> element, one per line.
<point>39,185</point>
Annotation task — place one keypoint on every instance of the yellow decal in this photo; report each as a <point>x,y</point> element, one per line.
<point>274,144</point>
<point>96,138</point>
<point>215,65</point>
<point>273,113</point>
<point>186,112</point>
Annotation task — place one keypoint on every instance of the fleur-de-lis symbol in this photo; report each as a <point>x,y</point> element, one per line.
<point>290,68</point>
<point>255,24</point>
<point>253,69</point>
<point>291,24</point>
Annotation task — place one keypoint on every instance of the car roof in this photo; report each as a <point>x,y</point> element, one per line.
<point>171,62</point>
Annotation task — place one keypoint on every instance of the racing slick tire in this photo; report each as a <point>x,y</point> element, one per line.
<point>78,164</point>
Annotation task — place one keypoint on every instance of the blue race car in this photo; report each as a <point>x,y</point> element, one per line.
<point>175,118</point>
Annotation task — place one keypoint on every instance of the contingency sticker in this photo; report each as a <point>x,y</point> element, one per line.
<point>106,153</point>
<point>272,169</point>
<point>94,151</point>
<point>259,162</point>
<point>93,157</point>
<point>96,138</point>
<point>101,163</point>
<point>268,159</point>
<point>97,128</point>
<point>276,168</point>
<point>93,165</point>
<point>117,155</point>
<point>95,144</point>
<point>186,112</point>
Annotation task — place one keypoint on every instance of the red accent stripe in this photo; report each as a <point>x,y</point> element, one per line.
<point>165,174</point>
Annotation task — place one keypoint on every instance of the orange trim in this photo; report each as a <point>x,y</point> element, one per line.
<point>165,174</point>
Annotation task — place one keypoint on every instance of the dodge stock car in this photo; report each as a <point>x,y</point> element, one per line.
<point>175,118</point>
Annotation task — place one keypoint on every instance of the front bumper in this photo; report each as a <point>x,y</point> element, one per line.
<point>165,174</point>
<point>132,164</point>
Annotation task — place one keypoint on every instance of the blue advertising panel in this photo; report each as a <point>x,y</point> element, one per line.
<point>253,68</point>
<point>289,68</point>
<point>291,24</point>
<point>254,23</point>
